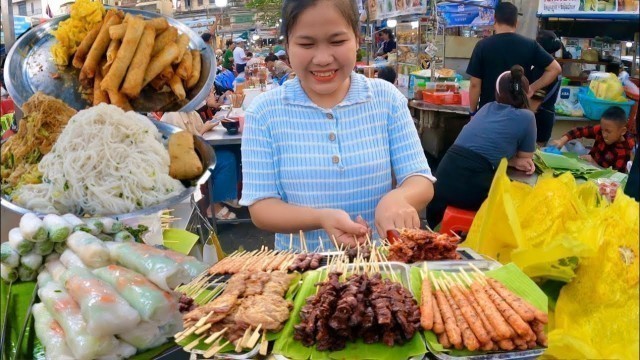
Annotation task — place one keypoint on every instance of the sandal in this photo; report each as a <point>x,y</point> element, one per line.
<point>232,203</point>
<point>225,214</point>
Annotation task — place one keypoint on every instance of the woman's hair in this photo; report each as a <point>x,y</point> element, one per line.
<point>512,88</point>
<point>549,41</point>
<point>206,37</point>
<point>270,58</point>
<point>388,32</point>
<point>229,42</point>
<point>292,9</point>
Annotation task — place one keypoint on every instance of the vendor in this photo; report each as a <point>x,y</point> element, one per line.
<point>388,43</point>
<point>546,114</point>
<point>505,128</point>
<point>318,153</point>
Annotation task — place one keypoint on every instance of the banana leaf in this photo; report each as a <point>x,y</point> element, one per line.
<point>287,346</point>
<point>509,275</point>
<point>30,347</point>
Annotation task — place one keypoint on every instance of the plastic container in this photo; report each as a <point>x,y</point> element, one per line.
<point>594,107</point>
<point>442,98</point>
<point>464,97</point>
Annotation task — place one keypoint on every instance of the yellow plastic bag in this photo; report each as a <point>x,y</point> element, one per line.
<point>608,88</point>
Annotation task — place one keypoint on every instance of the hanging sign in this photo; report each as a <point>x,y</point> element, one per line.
<point>586,7</point>
<point>387,9</point>
<point>471,13</point>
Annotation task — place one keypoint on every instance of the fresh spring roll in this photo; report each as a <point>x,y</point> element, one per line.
<point>111,226</point>
<point>124,236</point>
<point>18,242</point>
<point>73,220</point>
<point>173,326</point>
<point>70,259</point>
<point>60,247</point>
<point>50,334</point>
<point>44,278</point>
<point>56,269</point>
<point>57,227</point>
<point>189,263</point>
<point>67,313</point>
<point>31,261</point>
<point>153,304</point>
<point>89,248</point>
<point>104,237</point>
<point>105,312</point>
<point>43,248</point>
<point>161,270</point>
<point>32,228</point>
<point>26,274</point>
<point>144,336</point>
<point>9,256</point>
<point>8,273</point>
<point>122,351</point>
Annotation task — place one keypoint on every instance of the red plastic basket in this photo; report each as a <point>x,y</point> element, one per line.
<point>442,98</point>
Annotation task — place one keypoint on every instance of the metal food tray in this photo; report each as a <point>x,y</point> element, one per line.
<point>483,265</point>
<point>29,67</point>
<point>205,153</point>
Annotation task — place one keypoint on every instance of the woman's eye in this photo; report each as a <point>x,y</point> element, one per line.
<point>305,45</point>
<point>338,42</point>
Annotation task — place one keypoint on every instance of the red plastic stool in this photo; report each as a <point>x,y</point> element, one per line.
<point>456,220</point>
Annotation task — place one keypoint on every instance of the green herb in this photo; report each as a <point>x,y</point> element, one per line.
<point>137,232</point>
<point>65,187</point>
<point>43,132</point>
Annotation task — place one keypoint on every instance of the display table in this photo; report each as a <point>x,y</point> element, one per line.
<point>566,123</point>
<point>438,125</point>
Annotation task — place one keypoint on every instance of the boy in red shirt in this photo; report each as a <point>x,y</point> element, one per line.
<point>613,144</point>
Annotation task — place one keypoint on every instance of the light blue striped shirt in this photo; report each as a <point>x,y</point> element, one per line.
<point>340,158</point>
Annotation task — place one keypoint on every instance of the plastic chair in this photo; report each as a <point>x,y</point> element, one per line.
<point>456,220</point>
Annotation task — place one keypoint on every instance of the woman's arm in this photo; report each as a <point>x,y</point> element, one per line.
<point>275,215</point>
<point>399,208</point>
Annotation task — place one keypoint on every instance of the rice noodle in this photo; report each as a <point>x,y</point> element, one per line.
<point>105,162</point>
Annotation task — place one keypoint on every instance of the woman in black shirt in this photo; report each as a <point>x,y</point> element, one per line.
<point>388,43</point>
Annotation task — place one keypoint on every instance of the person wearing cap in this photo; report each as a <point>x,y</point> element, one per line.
<point>282,56</point>
<point>239,56</point>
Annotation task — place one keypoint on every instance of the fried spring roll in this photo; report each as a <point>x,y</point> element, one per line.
<point>119,100</point>
<point>158,83</point>
<point>185,67</point>
<point>166,74</point>
<point>85,46</point>
<point>160,62</point>
<point>112,51</point>
<point>135,74</point>
<point>183,46</point>
<point>176,86</point>
<point>98,48</point>
<point>196,67</point>
<point>163,40</point>
<point>99,95</point>
<point>113,79</point>
<point>117,32</point>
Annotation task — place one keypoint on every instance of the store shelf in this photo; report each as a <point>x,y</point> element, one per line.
<point>576,78</point>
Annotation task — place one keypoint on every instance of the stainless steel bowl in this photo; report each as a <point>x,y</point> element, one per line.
<point>29,68</point>
<point>207,156</point>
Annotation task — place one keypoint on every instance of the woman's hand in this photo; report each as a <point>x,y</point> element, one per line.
<point>394,212</point>
<point>208,126</point>
<point>523,164</point>
<point>338,224</point>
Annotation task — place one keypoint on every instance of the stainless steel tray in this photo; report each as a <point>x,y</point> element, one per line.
<point>207,156</point>
<point>29,67</point>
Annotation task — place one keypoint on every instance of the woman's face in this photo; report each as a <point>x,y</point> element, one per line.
<point>322,52</point>
<point>385,36</point>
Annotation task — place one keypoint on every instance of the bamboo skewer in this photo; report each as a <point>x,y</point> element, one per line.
<point>264,345</point>
<point>254,337</point>
<point>215,336</point>
<point>194,343</point>
<point>214,349</point>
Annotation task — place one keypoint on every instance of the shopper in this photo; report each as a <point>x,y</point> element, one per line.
<point>388,43</point>
<point>227,58</point>
<point>225,173</point>
<point>277,67</point>
<point>498,53</point>
<point>504,128</point>
<point>319,151</point>
<point>282,56</point>
<point>546,114</point>
<point>613,144</point>
<point>239,56</point>
<point>278,47</point>
<point>389,74</point>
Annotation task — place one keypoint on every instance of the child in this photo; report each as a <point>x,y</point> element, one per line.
<point>388,73</point>
<point>613,144</point>
<point>319,151</point>
<point>504,128</point>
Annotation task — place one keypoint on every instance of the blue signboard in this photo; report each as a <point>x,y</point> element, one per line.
<point>470,13</point>
<point>21,24</point>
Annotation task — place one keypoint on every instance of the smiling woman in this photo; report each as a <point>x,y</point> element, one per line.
<point>319,151</point>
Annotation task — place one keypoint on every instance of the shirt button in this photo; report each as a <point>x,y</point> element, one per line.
<point>335,159</point>
<point>329,116</point>
<point>332,136</point>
